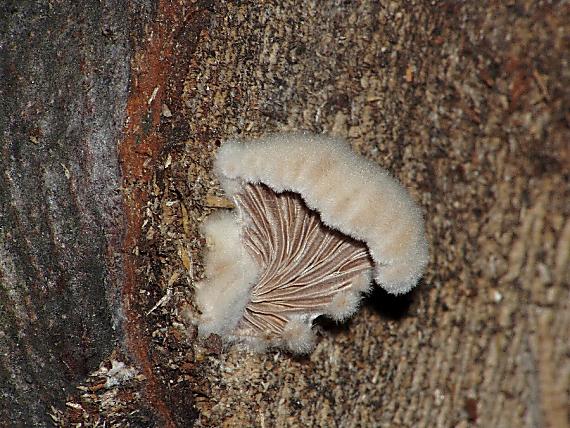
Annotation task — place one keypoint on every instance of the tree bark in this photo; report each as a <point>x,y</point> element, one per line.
<point>65,75</point>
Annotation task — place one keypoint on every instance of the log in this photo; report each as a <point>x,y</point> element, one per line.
<point>111,113</point>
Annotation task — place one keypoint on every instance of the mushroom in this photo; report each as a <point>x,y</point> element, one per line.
<point>313,224</point>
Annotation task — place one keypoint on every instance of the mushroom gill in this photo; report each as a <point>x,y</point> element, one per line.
<point>306,269</point>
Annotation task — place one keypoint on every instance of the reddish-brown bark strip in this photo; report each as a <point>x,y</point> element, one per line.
<point>156,68</point>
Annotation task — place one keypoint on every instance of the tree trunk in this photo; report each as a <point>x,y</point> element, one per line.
<point>111,114</point>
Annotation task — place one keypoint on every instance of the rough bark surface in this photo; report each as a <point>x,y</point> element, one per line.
<point>63,87</point>
<point>466,103</point>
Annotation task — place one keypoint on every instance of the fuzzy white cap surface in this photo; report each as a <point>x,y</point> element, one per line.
<point>352,194</point>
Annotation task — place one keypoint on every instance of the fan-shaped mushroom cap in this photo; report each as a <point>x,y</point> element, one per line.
<point>313,220</point>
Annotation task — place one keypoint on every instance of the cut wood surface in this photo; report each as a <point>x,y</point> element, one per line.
<point>110,118</point>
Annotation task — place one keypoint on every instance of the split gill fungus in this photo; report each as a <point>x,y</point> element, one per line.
<point>314,224</point>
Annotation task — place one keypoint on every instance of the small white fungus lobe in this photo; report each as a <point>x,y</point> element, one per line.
<point>276,262</point>
<point>234,272</point>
